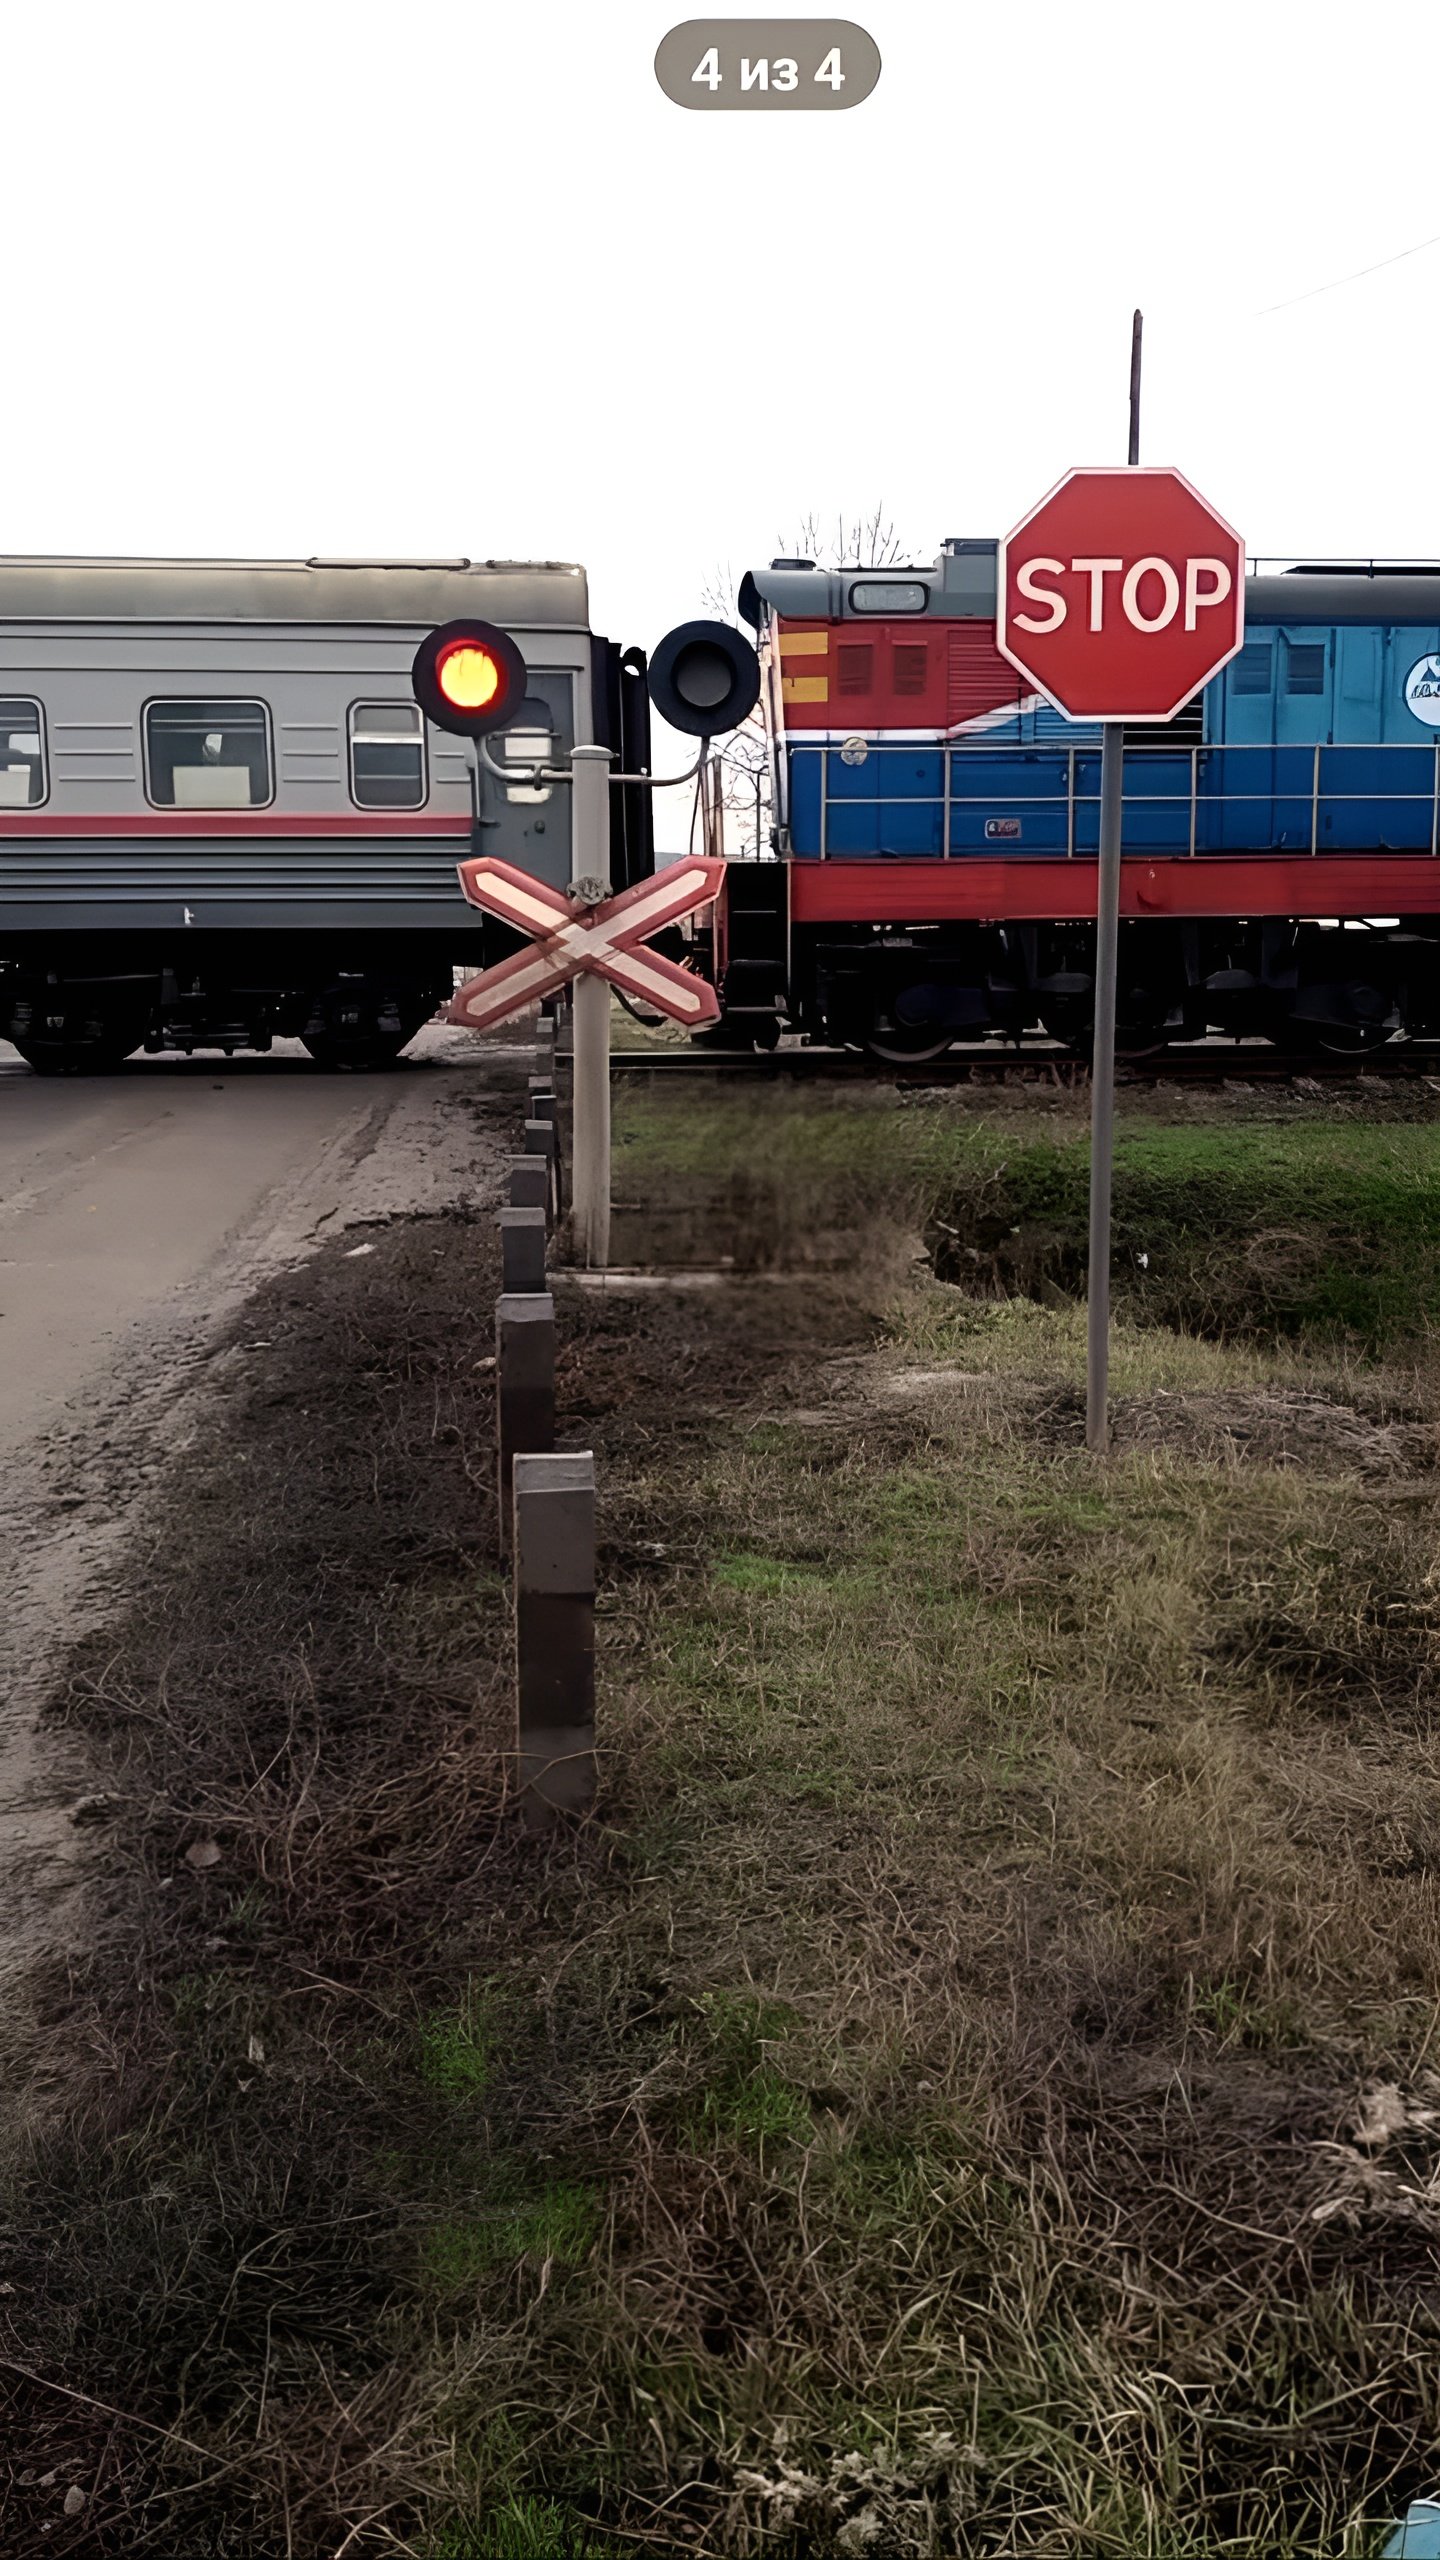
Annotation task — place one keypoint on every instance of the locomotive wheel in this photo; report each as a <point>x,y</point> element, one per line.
<point>1353,1039</point>
<point>901,1048</point>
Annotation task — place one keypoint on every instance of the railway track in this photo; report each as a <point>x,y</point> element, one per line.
<point>1040,1060</point>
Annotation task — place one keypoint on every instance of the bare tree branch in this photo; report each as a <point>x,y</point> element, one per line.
<point>867,540</point>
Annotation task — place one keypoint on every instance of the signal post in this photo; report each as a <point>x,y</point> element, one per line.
<point>469,678</point>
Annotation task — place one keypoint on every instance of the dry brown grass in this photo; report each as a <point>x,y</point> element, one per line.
<point>921,2114</point>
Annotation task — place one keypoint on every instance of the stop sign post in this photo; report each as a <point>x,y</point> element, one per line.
<point>1119,596</point>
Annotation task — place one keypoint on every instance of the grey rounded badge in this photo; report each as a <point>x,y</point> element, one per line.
<point>747,65</point>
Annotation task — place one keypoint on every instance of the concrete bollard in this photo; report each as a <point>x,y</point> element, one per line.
<point>524,1387</point>
<point>555,1633</point>
<point>541,1091</point>
<point>522,1251</point>
<point>529,1182</point>
<point>542,1138</point>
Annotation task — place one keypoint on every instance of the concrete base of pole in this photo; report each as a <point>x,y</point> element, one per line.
<point>555,1633</point>
<point>524,1388</point>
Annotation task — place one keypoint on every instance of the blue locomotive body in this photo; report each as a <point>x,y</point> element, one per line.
<point>939,820</point>
<point>1322,736</point>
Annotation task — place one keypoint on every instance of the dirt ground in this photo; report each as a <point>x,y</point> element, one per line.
<point>970,2090</point>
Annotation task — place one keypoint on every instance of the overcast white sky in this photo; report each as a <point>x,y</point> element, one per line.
<point>329,276</point>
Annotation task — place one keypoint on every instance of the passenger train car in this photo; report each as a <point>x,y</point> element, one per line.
<point>224,819</point>
<point>938,822</point>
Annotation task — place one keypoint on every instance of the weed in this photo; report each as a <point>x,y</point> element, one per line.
<point>554,2225</point>
<point>456,2045</point>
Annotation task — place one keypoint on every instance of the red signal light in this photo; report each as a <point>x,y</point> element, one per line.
<point>469,677</point>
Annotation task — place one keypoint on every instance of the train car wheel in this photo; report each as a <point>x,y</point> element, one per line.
<point>355,1049</point>
<point>75,1057</point>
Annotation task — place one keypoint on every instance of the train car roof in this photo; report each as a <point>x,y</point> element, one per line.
<point>518,594</point>
<point>960,585</point>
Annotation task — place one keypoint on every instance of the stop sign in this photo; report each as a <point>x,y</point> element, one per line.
<point>1121,594</point>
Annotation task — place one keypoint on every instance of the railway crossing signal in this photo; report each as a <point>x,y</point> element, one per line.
<point>1121,594</point>
<point>704,678</point>
<point>468,677</point>
<point>571,936</point>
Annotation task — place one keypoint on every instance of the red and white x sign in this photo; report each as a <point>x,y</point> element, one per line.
<point>571,937</point>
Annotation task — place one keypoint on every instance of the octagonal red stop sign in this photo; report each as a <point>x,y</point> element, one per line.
<point>1121,594</point>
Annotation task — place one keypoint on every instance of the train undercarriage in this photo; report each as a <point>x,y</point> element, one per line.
<point>82,1008</point>
<point>910,992</point>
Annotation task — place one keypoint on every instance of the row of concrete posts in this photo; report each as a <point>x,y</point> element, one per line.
<point>546,1496</point>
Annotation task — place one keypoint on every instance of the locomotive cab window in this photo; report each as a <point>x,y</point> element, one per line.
<point>207,755</point>
<point>22,755</point>
<point>387,755</point>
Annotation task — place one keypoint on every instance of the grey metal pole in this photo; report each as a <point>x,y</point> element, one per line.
<point>1102,1068</point>
<point>590,1173</point>
<point>1102,1087</point>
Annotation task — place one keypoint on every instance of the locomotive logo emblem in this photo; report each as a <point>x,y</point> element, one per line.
<point>1422,691</point>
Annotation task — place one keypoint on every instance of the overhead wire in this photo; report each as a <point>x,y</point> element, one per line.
<point>1356,273</point>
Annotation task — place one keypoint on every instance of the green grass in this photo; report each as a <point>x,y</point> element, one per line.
<point>556,2225</point>
<point>1315,1226</point>
<point>456,2046</point>
<point>525,2529</point>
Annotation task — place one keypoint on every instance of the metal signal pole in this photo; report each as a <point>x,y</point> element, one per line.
<point>590,1173</point>
<point>1102,1073</point>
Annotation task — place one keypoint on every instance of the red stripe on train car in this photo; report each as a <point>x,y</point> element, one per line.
<point>235,823</point>
<point>1031,892</point>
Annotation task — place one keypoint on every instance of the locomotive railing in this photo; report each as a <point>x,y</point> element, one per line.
<point>1190,801</point>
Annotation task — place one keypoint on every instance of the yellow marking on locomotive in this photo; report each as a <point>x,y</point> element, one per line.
<point>805,688</point>
<point>804,644</point>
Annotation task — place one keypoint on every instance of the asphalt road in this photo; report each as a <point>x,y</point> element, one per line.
<point>137,1211</point>
<point>123,1196</point>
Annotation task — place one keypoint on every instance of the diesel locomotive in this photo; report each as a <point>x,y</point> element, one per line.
<point>936,823</point>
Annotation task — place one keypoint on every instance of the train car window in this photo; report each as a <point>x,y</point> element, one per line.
<point>1254,669</point>
<point>207,755</point>
<point>22,754</point>
<point>910,661</point>
<point>387,755</point>
<point>1304,666</point>
<point>854,667</point>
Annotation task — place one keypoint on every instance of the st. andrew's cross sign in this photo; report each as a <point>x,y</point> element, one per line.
<point>571,937</point>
